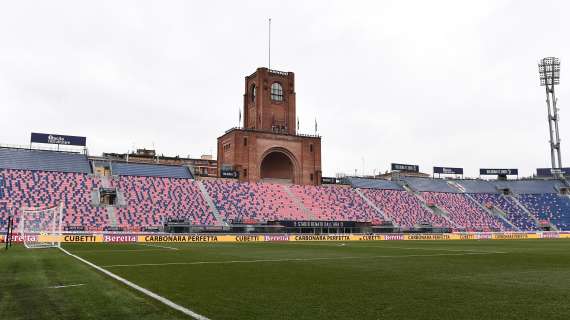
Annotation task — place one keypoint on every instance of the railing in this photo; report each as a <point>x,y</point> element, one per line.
<point>281,73</point>
<point>277,72</point>
<point>268,131</point>
<point>43,148</point>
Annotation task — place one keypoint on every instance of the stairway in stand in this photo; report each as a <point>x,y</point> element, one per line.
<point>211,204</point>
<point>112,216</point>
<point>371,204</point>
<point>298,202</point>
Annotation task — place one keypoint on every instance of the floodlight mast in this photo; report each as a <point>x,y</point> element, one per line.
<point>549,72</point>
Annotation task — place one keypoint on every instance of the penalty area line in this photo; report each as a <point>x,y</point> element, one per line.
<point>139,288</point>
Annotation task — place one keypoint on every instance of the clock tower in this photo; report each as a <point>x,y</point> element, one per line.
<point>269,101</point>
<point>268,146</point>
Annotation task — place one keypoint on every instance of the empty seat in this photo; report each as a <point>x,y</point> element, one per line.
<point>152,201</point>
<point>516,215</point>
<point>42,189</point>
<point>253,201</point>
<point>431,185</point>
<point>335,203</point>
<point>464,212</point>
<point>25,159</point>
<point>550,207</point>
<point>150,170</point>
<point>374,184</point>
<point>404,208</point>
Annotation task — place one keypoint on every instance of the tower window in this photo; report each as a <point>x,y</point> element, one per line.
<point>311,148</point>
<point>276,92</point>
<point>253,92</point>
<point>245,142</point>
<point>311,176</point>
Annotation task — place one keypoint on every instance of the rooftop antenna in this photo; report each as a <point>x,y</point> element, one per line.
<point>269,67</point>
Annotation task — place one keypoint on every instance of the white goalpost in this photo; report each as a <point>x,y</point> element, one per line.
<point>41,228</point>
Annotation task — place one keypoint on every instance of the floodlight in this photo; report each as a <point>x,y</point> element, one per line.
<point>549,74</point>
<point>549,71</point>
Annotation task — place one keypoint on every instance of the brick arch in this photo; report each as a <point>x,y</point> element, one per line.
<point>295,175</point>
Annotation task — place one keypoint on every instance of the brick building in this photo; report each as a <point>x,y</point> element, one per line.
<point>268,146</point>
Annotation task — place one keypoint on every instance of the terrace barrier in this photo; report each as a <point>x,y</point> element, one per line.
<point>190,238</point>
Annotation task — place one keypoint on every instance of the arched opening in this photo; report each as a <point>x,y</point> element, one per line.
<point>277,167</point>
<point>253,92</point>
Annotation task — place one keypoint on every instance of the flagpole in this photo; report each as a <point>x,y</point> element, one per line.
<point>269,48</point>
<point>315,126</point>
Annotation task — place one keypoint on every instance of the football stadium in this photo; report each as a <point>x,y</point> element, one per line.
<point>261,230</point>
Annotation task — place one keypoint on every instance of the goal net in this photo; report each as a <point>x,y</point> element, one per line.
<point>41,227</point>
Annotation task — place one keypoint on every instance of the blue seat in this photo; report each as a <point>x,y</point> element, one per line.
<point>380,184</point>
<point>430,185</point>
<point>150,170</point>
<point>25,159</point>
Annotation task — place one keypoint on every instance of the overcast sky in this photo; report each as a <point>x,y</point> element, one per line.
<point>449,83</point>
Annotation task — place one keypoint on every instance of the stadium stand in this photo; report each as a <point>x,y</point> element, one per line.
<point>1,187</point>
<point>430,185</point>
<point>255,202</point>
<point>335,203</point>
<point>153,194</point>
<point>4,214</point>
<point>152,201</point>
<point>24,188</point>
<point>513,212</point>
<point>464,212</point>
<point>529,186</point>
<point>26,159</point>
<point>477,186</point>
<point>550,207</point>
<point>374,184</point>
<point>150,170</point>
<point>403,208</point>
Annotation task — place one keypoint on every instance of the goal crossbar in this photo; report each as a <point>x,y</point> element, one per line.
<point>41,227</point>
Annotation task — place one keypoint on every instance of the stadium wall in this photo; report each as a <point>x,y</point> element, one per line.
<point>190,238</point>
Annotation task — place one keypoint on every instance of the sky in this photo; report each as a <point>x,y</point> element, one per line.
<point>432,83</point>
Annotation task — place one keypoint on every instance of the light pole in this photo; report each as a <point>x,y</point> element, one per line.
<point>549,72</point>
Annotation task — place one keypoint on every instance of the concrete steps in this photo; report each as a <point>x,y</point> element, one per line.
<point>370,203</point>
<point>435,209</point>
<point>522,207</point>
<point>211,204</point>
<point>112,216</point>
<point>298,202</point>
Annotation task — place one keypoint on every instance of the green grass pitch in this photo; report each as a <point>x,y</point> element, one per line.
<point>489,279</point>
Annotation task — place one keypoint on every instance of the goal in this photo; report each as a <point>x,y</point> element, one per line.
<point>41,227</point>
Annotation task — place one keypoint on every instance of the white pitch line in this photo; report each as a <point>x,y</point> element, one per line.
<point>118,250</point>
<point>140,289</point>
<point>67,286</point>
<point>156,246</point>
<point>294,259</point>
<point>403,248</point>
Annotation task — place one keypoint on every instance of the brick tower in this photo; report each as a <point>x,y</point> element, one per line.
<point>268,146</point>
